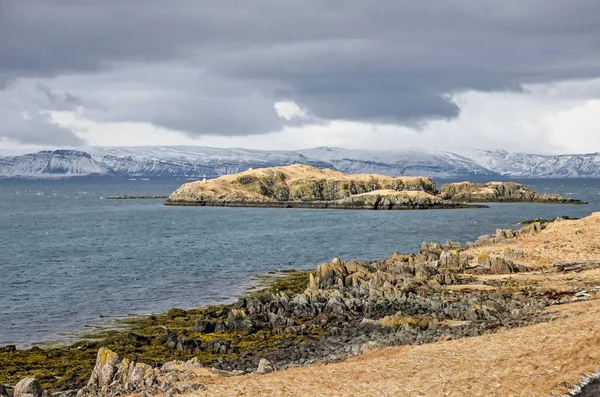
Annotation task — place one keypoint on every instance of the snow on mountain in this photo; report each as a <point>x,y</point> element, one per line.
<point>51,164</point>
<point>538,165</point>
<point>410,162</point>
<point>191,161</point>
<point>197,162</point>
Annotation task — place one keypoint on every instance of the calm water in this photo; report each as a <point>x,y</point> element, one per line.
<point>70,259</point>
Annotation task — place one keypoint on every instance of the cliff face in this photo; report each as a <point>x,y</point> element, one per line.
<point>295,183</point>
<point>498,191</point>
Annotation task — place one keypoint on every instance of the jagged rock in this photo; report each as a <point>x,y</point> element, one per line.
<point>138,338</point>
<point>171,339</point>
<point>450,259</point>
<point>3,391</point>
<point>237,321</point>
<point>136,374</point>
<point>264,366</point>
<point>204,326</point>
<point>187,344</point>
<point>512,253</point>
<point>28,387</point>
<point>105,369</point>
<point>8,348</point>
<point>219,346</point>
<point>502,266</point>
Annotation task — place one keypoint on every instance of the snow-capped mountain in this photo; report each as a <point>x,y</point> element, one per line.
<point>410,162</point>
<point>191,161</point>
<point>197,162</point>
<point>538,165</point>
<point>52,164</point>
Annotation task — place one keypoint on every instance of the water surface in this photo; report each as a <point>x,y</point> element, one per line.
<point>69,258</point>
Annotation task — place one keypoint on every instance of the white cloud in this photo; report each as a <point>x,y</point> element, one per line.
<point>289,110</point>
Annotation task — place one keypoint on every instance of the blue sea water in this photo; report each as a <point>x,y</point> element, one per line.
<point>70,259</point>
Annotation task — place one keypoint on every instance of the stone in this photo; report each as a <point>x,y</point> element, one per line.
<point>187,344</point>
<point>8,348</point>
<point>171,339</point>
<point>28,387</point>
<point>105,369</point>
<point>513,253</point>
<point>3,391</point>
<point>136,374</point>
<point>203,326</point>
<point>502,266</point>
<point>138,338</point>
<point>264,366</point>
<point>237,321</point>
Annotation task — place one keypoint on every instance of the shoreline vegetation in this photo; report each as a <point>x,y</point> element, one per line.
<point>508,281</point>
<point>303,186</point>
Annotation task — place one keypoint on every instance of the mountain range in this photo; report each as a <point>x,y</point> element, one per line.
<point>193,162</point>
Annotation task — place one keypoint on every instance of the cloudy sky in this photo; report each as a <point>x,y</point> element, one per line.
<point>523,75</point>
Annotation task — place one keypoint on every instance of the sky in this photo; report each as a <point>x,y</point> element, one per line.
<point>519,75</point>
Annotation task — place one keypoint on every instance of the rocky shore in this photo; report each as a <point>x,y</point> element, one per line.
<point>302,186</point>
<point>444,291</point>
<point>135,197</point>
<point>503,192</point>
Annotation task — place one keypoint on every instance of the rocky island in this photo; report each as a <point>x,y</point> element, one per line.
<point>303,186</point>
<point>509,192</point>
<point>527,299</point>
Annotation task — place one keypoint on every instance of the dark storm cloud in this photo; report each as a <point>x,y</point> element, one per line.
<point>24,111</point>
<point>393,62</point>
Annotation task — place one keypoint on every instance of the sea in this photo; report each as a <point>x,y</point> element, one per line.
<point>72,261</point>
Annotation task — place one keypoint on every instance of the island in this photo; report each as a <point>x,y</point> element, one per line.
<point>303,186</point>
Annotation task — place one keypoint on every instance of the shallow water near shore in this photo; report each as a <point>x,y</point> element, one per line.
<point>71,259</point>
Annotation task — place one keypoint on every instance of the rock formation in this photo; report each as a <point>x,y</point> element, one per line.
<point>309,187</point>
<point>499,191</point>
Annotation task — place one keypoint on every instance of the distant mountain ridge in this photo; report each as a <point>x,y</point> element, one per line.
<point>198,162</point>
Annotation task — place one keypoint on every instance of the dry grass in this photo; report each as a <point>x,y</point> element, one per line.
<point>229,188</point>
<point>298,172</point>
<point>564,241</point>
<point>533,361</point>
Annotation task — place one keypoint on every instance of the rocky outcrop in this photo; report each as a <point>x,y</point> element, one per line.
<point>113,377</point>
<point>302,186</point>
<point>350,306</point>
<point>309,187</point>
<point>105,369</point>
<point>499,192</point>
<point>395,200</point>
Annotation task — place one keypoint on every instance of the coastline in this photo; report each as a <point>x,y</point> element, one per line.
<point>358,300</point>
<point>322,205</point>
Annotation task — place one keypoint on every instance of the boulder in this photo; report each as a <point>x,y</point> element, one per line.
<point>105,369</point>
<point>28,387</point>
<point>237,321</point>
<point>502,266</point>
<point>8,348</point>
<point>203,326</point>
<point>513,253</point>
<point>187,344</point>
<point>264,366</point>
<point>138,375</point>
